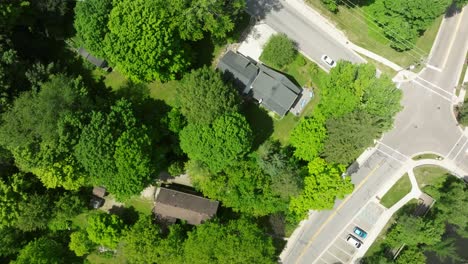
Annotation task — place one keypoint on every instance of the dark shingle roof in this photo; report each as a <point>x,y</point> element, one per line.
<point>97,62</point>
<point>241,69</point>
<point>194,209</point>
<point>274,90</point>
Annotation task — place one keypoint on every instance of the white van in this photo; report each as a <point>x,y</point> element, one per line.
<point>353,241</point>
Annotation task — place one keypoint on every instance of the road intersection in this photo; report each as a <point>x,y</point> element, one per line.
<point>426,124</point>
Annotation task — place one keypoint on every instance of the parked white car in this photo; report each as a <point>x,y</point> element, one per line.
<point>329,61</point>
<point>353,241</point>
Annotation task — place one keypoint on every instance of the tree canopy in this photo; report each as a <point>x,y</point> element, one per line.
<point>239,241</point>
<point>142,42</point>
<point>279,51</point>
<point>203,96</point>
<point>105,229</point>
<point>308,136</point>
<point>42,250</point>
<point>219,144</point>
<point>91,18</point>
<point>322,187</point>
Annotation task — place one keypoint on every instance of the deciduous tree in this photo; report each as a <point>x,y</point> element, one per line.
<point>91,18</point>
<point>308,136</point>
<point>279,51</point>
<point>142,41</point>
<point>239,241</point>
<point>80,243</point>
<point>42,250</point>
<point>322,187</point>
<point>220,144</point>
<point>203,96</point>
<point>105,229</point>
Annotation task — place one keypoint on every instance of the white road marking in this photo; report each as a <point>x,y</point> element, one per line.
<point>433,85</point>
<point>433,68</point>
<point>443,96</point>
<point>336,257</point>
<point>403,155</point>
<point>342,250</point>
<point>450,152</point>
<point>463,147</point>
<point>390,156</point>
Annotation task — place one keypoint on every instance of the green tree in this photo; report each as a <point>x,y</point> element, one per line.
<point>239,241</point>
<point>34,213</point>
<point>64,210</point>
<point>203,96</point>
<point>142,42</point>
<point>12,240</point>
<point>91,18</point>
<point>308,136</point>
<point>195,17</point>
<point>446,250</point>
<point>403,21</point>
<point>463,114</point>
<point>381,100</point>
<point>144,243</point>
<point>220,144</point>
<point>12,193</point>
<point>452,207</point>
<point>80,243</point>
<point>115,149</point>
<point>279,51</point>
<point>285,175</point>
<point>322,187</point>
<point>349,136</point>
<point>414,231</point>
<point>105,229</point>
<point>41,144</point>
<point>243,187</point>
<point>42,251</point>
<point>411,255</point>
<point>344,88</point>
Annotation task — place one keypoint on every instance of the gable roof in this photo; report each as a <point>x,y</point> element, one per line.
<point>274,90</point>
<point>241,69</point>
<point>96,61</point>
<point>191,208</point>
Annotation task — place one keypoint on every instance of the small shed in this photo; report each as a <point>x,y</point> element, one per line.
<point>99,192</point>
<point>172,204</point>
<point>101,63</point>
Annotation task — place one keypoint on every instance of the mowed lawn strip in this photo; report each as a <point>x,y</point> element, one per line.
<point>401,188</point>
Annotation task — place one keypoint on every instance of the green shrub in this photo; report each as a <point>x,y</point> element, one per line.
<point>463,114</point>
<point>279,51</point>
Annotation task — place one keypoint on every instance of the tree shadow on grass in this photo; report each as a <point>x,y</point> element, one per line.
<point>260,122</point>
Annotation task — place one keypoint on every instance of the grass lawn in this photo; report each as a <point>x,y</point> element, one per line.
<point>305,73</point>
<point>401,188</point>
<point>382,67</point>
<point>97,258</point>
<point>427,156</point>
<point>365,34</point>
<point>430,175</point>
<point>140,204</point>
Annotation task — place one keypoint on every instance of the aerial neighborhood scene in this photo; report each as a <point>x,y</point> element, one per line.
<point>233,131</point>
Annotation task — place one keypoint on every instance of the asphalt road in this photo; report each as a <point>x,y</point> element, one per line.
<point>425,124</point>
<point>311,40</point>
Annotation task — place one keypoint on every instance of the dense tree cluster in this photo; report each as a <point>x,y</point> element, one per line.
<point>150,40</point>
<point>355,108</point>
<point>279,51</point>
<point>428,233</point>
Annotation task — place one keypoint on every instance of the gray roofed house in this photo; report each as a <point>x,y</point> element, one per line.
<point>274,90</point>
<point>171,204</point>
<point>270,88</point>
<point>240,69</point>
<point>96,61</point>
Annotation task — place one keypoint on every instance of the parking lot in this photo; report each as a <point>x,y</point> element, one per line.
<point>340,251</point>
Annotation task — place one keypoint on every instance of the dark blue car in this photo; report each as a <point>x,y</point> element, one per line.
<point>361,233</point>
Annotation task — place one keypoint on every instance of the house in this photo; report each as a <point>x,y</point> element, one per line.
<point>171,205</point>
<point>270,88</point>
<point>97,62</point>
